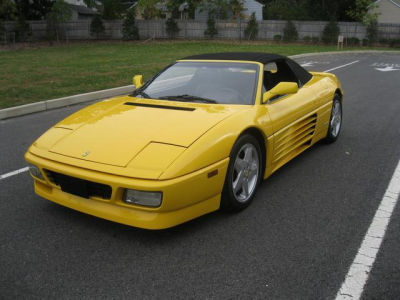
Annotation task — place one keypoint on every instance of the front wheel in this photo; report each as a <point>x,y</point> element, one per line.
<point>335,122</point>
<point>243,175</point>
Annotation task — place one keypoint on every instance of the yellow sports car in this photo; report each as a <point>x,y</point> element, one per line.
<point>199,136</point>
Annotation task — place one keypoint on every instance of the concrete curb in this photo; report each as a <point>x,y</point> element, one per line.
<point>65,101</point>
<point>123,90</point>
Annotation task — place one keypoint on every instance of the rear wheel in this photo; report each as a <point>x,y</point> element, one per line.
<point>243,175</point>
<point>335,122</point>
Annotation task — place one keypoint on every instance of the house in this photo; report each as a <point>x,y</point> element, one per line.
<point>161,7</point>
<point>80,11</point>
<point>250,7</point>
<point>388,11</point>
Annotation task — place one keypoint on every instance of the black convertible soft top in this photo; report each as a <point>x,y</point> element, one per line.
<point>264,58</point>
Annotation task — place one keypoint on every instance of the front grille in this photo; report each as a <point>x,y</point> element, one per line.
<point>79,187</point>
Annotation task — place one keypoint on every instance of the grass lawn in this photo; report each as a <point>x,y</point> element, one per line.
<point>38,73</point>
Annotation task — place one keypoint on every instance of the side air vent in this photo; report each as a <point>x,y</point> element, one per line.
<point>160,106</point>
<point>294,139</point>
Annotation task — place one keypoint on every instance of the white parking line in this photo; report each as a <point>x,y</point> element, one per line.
<point>342,66</point>
<point>357,276</point>
<point>16,172</point>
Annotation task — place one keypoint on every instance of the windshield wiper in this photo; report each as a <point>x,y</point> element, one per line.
<point>143,94</point>
<point>188,98</point>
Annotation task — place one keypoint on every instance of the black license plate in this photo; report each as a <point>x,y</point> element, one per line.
<point>73,185</point>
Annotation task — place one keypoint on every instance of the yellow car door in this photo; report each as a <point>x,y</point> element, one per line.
<point>294,121</point>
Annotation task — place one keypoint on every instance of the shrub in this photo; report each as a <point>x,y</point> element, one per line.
<point>365,42</point>
<point>331,32</point>
<point>307,39</point>
<point>394,43</point>
<point>22,30</point>
<point>171,28</point>
<point>372,31</point>
<point>290,33</point>
<point>315,40</point>
<point>97,26</point>
<point>251,30</point>
<point>2,31</point>
<point>384,41</point>
<point>60,12</point>
<point>277,38</point>
<point>211,30</point>
<point>353,41</point>
<point>50,30</point>
<point>129,29</point>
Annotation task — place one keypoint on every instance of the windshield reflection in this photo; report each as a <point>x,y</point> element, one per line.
<point>205,82</point>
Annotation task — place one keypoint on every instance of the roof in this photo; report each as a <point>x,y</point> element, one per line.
<point>83,10</point>
<point>245,56</point>
<point>392,1</point>
<point>259,2</point>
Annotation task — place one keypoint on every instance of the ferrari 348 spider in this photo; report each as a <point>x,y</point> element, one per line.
<point>199,136</point>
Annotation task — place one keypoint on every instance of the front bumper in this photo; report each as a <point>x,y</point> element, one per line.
<point>184,198</point>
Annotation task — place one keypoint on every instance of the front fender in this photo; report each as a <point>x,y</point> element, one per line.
<point>217,143</point>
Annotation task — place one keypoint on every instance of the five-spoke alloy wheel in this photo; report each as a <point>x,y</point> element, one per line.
<point>244,174</point>
<point>335,122</point>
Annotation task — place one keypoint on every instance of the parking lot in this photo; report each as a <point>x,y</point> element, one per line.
<point>297,240</point>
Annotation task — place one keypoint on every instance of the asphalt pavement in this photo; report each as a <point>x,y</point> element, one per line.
<point>296,241</point>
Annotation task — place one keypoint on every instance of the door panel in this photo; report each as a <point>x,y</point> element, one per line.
<point>294,120</point>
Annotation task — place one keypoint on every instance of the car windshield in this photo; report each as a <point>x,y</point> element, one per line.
<point>207,82</point>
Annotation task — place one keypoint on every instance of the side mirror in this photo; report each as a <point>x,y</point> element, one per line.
<point>282,88</point>
<point>137,81</point>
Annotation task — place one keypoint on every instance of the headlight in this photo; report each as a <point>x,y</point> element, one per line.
<point>35,172</point>
<point>152,199</point>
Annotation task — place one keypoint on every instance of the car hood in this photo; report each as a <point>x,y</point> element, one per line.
<point>115,132</point>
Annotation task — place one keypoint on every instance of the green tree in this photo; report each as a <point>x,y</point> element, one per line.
<point>111,9</point>
<point>251,30</point>
<point>360,10</point>
<point>60,12</point>
<point>363,12</point>
<point>33,9</point>
<point>211,30</point>
<point>290,33</point>
<point>129,28</point>
<point>372,30</point>
<point>237,9</point>
<point>90,3</point>
<point>171,27</point>
<point>96,26</point>
<point>320,10</point>
<point>173,7</point>
<point>331,32</point>
<point>148,8</point>
<point>8,10</point>
<point>216,8</point>
<point>285,10</point>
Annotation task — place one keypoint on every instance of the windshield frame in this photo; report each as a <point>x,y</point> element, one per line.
<point>257,90</point>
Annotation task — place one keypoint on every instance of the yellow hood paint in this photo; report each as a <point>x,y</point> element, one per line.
<point>144,140</point>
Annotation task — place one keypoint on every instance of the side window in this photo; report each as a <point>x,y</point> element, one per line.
<point>277,72</point>
<point>270,70</point>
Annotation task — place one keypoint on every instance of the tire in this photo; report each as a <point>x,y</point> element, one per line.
<point>335,121</point>
<point>243,175</point>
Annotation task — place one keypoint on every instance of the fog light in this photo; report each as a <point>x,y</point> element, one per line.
<point>35,172</point>
<point>152,199</point>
